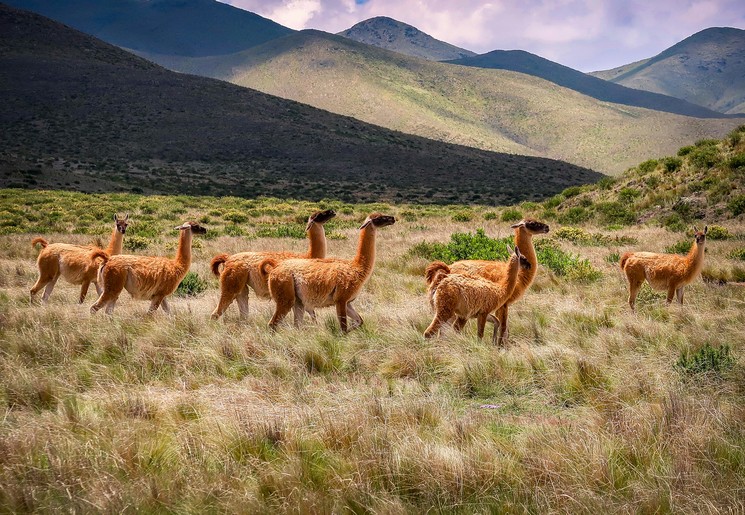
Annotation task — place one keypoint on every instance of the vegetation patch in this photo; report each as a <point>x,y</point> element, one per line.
<point>707,359</point>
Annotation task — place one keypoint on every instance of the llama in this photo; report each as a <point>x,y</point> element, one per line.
<point>469,296</point>
<point>495,270</point>
<point>669,272</point>
<point>242,270</point>
<point>306,284</point>
<point>77,264</point>
<point>145,277</point>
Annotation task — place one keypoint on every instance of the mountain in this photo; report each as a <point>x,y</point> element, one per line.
<point>78,113</point>
<point>399,37</point>
<point>173,27</point>
<point>708,69</point>
<point>525,62</point>
<point>496,110</point>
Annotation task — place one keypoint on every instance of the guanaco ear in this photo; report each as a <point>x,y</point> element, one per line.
<point>510,251</point>
<point>183,226</point>
<point>706,229</point>
<point>116,219</point>
<point>310,222</point>
<point>367,222</point>
<point>521,223</point>
<point>518,253</point>
<point>126,216</point>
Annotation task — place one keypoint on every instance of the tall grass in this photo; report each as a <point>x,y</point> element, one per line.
<point>587,410</point>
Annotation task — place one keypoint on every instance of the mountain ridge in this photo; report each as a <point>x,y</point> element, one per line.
<point>391,34</point>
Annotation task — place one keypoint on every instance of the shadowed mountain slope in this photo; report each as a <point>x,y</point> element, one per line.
<point>707,68</point>
<point>178,27</point>
<point>525,62</point>
<point>75,110</point>
<point>400,37</point>
<point>496,110</point>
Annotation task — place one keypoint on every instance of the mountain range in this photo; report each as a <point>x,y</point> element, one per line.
<point>707,68</point>
<point>78,113</point>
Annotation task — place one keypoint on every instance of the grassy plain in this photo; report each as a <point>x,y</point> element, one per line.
<point>585,412</point>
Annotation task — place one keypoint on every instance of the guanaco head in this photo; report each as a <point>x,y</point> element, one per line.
<point>700,235</point>
<point>378,220</point>
<point>194,227</point>
<point>121,223</point>
<point>531,226</point>
<point>320,217</point>
<point>522,260</point>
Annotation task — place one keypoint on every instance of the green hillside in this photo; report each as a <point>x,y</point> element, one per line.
<point>489,109</point>
<point>700,183</point>
<point>403,38</point>
<point>707,69</point>
<point>525,62</point>
<point>118,122</point>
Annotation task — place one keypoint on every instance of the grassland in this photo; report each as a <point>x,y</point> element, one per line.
<point>590,409</point>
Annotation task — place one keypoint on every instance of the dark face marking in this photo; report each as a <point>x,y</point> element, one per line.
<point>379,220</point>
<point>536,227</point>
<point>321,217</point>
<point>121,225</point>
<point>196,228</point>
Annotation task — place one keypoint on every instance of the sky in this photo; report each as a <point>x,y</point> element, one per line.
<point>586,35</point>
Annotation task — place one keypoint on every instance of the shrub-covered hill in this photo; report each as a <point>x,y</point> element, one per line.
<point>704,182</point>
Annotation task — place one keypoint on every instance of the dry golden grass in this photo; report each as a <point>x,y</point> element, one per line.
<point>584,412</point>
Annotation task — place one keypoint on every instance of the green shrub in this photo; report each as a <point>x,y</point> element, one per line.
<point>462,216</point>
<point>282,231</point>
<point>490,215</point>
<point>606,183</point>
<point>704,156</point>
<point>615,213</point>
<point>738,254</point>
<point>717,232</point>
<point>234,230</point>
<point>553,201</point>
<point>681,247</point>
<point>627,195</point>
<point>613,258</point>
<point>572,191</point>
<point>647,166</point>
<point>564,264</point>
<point>191,286</point>
<point>582,237</point>
<point>707,359</point>
<point>672,164</point>
<point>511,215</point>
<point>464,246</point>
<point>736,135</point>
<point>674,222</point>
<point>135,242</point>
<point>737,205</point>
<point>706,142</point>
<point>684,151</point>
<point>235,216</point>
<point>737,161</point>
<point>574,215</point>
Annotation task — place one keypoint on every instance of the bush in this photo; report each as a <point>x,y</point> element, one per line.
<point>464,246</point>
<point>681,247</point>
<point>462,216</point>
<point>737,161</point>
<point>581,237</point>
<point>191,285</point>
<point>647,166</point>
<point>737,205</point>
<point>606,183</point>
<point>553,201</point>
<point>684,151</point>
<point>135,242</point>
<point>511,215</point>
<point>574,215</point>
<point>490,215</point>
<point>707,359</point>
<point>738,254</point>
<point>704,156</point>
<point>236,217</point>
<point>282,231</point>
<point>627,195</point>
<point>572,191</point>
<point>615,213</point>
<point>672,164</point>
<point>717,232</point>
<point>564,264</point>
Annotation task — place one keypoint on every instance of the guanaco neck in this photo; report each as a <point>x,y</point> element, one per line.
<point>316,241</point>
<point>115,243</point>
<point>696,257</point>
<point>524,242</point>
<point>183,253</point>
<point>513,272</point>
<point>365,257</point>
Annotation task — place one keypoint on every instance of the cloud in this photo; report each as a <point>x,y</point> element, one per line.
<point>584,34</point>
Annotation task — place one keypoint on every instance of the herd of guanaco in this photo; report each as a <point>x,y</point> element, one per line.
<point>302,282</point>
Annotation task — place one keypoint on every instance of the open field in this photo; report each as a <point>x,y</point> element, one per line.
<point>586,411</point>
